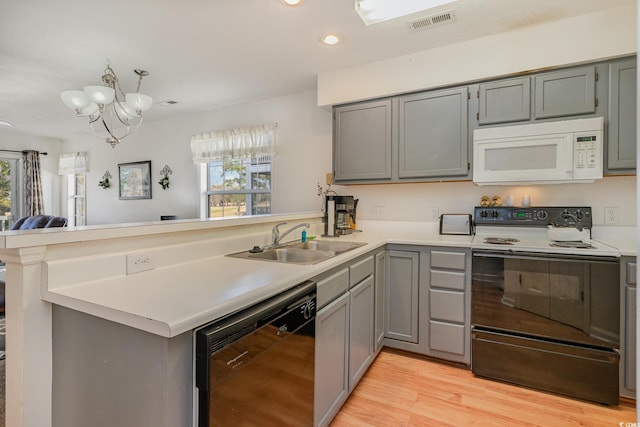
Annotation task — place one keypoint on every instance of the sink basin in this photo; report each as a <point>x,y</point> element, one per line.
<point>288,255</point>
<point>310,252</point>
<point>329,245</point>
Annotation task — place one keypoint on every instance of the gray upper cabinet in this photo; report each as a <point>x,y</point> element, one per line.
<point>362,141</point>
<point>504,101</point>
<point>567,92</point>
<point>433,138</point>
<point>621,131</point>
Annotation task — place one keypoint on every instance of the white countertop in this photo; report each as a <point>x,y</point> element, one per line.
<point>174,299</point>
<point>171,300</point>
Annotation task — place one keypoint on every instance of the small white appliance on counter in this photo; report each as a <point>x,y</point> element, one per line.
<point>569,151</point>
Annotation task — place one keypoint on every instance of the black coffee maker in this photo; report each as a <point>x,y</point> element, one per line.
<point>340,215</point>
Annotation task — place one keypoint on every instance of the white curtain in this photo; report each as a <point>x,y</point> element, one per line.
<point>251,141</point>
<point>73,163</point>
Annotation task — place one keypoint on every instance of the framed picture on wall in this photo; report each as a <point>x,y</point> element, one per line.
<point>135,180</point>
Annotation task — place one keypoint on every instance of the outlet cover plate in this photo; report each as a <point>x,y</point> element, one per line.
<point>137,263</point>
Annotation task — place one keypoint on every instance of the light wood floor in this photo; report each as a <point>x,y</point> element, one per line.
<point>401,389</point>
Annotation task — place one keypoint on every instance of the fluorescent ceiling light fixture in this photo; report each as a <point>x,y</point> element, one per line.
<point>374,11</point>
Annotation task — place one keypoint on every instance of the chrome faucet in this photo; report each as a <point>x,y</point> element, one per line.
<point>277,237</point>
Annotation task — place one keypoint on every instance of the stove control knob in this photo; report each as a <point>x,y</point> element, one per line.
<point>494,214</point>
<point>484,214</point>
<point>542,215</point>
<point>579,214</point>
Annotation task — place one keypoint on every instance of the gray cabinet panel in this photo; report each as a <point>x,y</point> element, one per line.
<point>630,347</point>
<point>447,337</point>
<point>360,330</point>
<point>504,101</point>
<point>446,305</point>
<point>359,270</point>
<point>448,259</point>
<point>565,92</point>
<point>621,130</point>
<point>401,311</point>
<point>332,360</point>
<point>380,280</point>
<point>448,279</point>
<point>332,286</point>
<point>628,328</point>
<point>362,141</point>
<point>433,138</point>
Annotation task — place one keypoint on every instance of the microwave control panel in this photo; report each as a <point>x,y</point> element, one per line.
<point>587,155</point>
<point>533,216</point>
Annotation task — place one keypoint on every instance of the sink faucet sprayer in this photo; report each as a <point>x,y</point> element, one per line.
<point>276,232</point>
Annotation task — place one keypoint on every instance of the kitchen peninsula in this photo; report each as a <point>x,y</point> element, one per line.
<point>77,279</point>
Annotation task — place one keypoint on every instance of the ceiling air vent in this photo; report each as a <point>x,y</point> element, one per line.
<point>432,20</point>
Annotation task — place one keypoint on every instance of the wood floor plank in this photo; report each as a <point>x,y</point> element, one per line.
<point>402,389</point>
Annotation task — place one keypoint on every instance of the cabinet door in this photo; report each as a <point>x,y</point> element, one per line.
<point>332,360</point>
<point>362,141</point>
<point>401,311</point>
<point>622,116</point>
<point>504,101</point>
<point>433,138</point>
<point>565,92</point>
<point>360,330</point>
<point>380,281</point>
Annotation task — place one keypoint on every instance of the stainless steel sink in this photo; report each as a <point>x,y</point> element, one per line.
<point>310,252</point>
<point>329,245</point>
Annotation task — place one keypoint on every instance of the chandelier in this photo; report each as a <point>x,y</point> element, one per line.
<point>113,115</point>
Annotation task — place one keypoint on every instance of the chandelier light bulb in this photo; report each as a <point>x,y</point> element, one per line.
<point>139,101</point>
<point>75,99</point>
<point>101,95</point>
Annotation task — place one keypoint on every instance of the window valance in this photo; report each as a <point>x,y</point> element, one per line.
<point>73,163</point>
<point>242,142</point>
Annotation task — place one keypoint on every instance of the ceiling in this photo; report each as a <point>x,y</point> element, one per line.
<point>205,54</point>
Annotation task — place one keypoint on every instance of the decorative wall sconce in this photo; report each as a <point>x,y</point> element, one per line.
<point>105,183</point>
<point>165,172</point>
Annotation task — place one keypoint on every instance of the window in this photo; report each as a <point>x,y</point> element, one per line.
<point>76,201</point>
<point>75,167</point>
<point>9,205</point>
<point>239,186</point>
<point>236,170</point>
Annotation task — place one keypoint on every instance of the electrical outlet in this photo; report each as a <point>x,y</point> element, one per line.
<point>377,212</point>
<point>137,263</point>
<point>435,213</point>
<point>611,215</point>
<point>329,178</point>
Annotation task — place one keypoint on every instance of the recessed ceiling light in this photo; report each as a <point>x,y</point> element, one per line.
<point>292,2</point>
<point>330,39</point>
<point>374,11</point>
<point>168,102</point>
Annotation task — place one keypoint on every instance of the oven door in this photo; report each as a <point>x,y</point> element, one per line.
<point>546,321</point>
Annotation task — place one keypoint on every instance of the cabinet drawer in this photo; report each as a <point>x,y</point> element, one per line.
<point>332,286</point>
<point>631,273</point>
<point>360,270</point>
<point>446,337</point>
<point>446,305</point>
<point>448,279</point>
<point>453,260</point>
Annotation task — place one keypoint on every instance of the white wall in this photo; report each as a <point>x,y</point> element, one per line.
<point>414,202</point>
<point>304,156</point>
<point>583,38</point>
<point>48,164</point>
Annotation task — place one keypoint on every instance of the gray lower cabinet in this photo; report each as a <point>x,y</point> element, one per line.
<point>447,335</point>
<point>621,129</point>
<point>433,139</point>
<point>401,299</point>
<point>628,298</point>
<point>362,141</point>
<point>332,360</point>
<point>380,281</point>
<point>567,92</point>
<point>344,335</point>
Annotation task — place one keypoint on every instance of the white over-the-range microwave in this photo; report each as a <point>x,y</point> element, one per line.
<point>569,151</point>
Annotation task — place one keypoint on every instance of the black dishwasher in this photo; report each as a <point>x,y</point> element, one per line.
<point>256,367</point>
